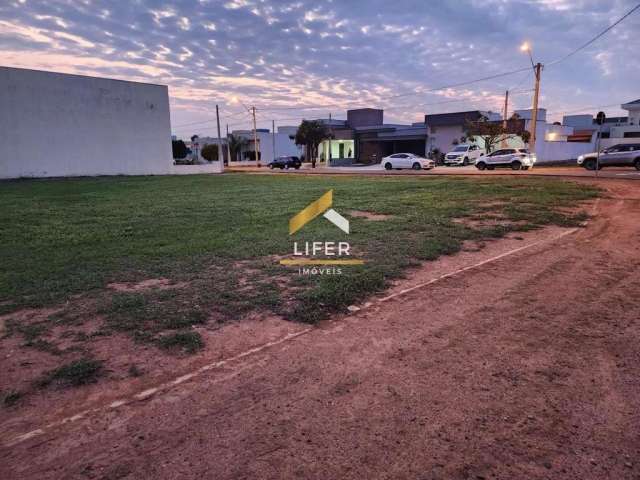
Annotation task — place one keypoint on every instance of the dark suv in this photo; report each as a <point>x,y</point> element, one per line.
<point>622,155</point>
<point>286,162</point>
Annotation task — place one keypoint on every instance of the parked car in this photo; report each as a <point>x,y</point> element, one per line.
<point>407,160</point>
<point>622,155</point>
<point>463,155</point>
<point>285,162</point>
<point>514,158</point>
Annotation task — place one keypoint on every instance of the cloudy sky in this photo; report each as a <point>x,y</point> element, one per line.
<point>303,58</point>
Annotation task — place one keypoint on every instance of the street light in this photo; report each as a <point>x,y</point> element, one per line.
<point>537,68</point>
<point>526,47</point>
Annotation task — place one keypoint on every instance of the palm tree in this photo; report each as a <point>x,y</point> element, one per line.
<point>311,133</point>
<point>235,145</point>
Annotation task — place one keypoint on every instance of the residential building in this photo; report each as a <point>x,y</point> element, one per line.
<point>271,145</point>
<point>364,138</point>
<point>55,124</point>
<point>446,129</point>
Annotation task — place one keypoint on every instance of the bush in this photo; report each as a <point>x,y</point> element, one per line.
<point>210,152</point>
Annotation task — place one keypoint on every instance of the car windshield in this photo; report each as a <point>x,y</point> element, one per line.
<point>460,149</point>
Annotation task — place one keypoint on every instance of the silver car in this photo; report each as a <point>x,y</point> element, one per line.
<point>622,155</point>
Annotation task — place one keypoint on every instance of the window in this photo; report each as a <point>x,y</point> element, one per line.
<point>496,153</point>
<point>631,134</point>
<point>399,155</point>
<point>473,148</point>
<point>509,151</point>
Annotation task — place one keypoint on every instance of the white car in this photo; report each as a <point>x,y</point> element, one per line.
<point>463,155</point>
<point>407,160</point>
<point>514,158</point>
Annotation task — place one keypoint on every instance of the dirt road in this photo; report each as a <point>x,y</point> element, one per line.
<point>523,367</point>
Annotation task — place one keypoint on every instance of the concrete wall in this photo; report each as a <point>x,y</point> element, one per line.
<point>53,124</point>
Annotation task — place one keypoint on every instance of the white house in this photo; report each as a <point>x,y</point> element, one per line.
<point>55,124</point>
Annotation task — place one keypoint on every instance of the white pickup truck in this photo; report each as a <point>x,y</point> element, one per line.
<point>463,155</point>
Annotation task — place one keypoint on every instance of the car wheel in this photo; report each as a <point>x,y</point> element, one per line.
<point>481,166</point>
<point>388,166</point>
<point>465,162</point>
<point>490,167</point>
<point>271,167</point>
<point>589,164</point>
<point>637,163</point>
<point>516,165</point>
<point>297,167</point>
<point>416,166</point>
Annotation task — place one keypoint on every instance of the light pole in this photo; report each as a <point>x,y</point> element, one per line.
<point>537,69</point>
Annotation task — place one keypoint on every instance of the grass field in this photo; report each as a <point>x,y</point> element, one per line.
<point>219,239</point>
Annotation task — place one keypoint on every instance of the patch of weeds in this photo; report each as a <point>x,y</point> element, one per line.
<point>189,342</point>
<point>336,293</point>
<point>134,371</point>
<point>31,332</point>
<point>44,346</point>
<point>73,374</point>
<point>11,398</point>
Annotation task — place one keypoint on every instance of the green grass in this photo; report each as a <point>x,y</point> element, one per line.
<point>221,235</point>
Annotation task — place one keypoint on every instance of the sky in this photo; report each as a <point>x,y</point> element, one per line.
<point>311,58</point>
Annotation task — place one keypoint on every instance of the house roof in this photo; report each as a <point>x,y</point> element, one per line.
<point>451,119</point>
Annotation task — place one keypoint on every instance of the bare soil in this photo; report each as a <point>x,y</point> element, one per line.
<point>524,367</point>
<point>376,217</point>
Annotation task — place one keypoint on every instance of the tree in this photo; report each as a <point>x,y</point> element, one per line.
<point>235,145</point>
<point>494,132</point>
<point>310,134</point>
<point>179,149</point>
<point>210,152</point>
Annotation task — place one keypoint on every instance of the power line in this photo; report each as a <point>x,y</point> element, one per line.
<point>585,45</point>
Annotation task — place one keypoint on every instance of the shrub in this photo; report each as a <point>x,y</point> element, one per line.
<point>210,152</point>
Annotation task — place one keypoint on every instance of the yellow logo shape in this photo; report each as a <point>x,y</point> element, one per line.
<point>316,208</point>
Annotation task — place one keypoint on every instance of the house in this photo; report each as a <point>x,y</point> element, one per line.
<point>270,145</point>
<point>59,125</point>
<point>364,138</point>
<point>446,129</point>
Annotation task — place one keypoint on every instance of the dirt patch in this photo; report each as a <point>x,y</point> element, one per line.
<point>488,219</point>
<point>157,283</point>
<point>375,217</point>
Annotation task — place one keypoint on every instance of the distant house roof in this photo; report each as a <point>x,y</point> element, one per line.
<point>634,102</point>
<point>452,119</point>
<point>614,120</point>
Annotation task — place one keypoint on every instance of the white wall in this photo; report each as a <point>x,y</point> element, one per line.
<point>442,138</point>
<point>54,124</point>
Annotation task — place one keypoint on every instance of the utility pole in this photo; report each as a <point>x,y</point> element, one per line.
<point>273,138</point>
<point>228,146</point>
<point>504,118</point>
<point>328,162</point>
<point>534,117</point>
<point>256,147</point>
<point>220,153</point>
